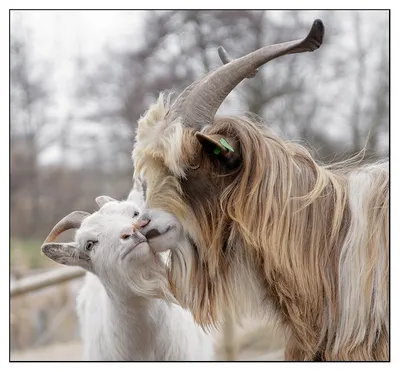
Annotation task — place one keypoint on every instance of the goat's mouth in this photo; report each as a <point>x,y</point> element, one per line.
<point>131,249</point>
<point>159,241</point>
<point>154,233</point>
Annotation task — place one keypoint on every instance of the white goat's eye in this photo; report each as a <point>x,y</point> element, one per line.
<point>89,245</point>
<point>136,214</point>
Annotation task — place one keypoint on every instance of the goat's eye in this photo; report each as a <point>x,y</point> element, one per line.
<point>136,214</point>
<point>89,245</point>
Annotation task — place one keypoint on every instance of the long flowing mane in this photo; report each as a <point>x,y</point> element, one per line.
<point>311,241</point>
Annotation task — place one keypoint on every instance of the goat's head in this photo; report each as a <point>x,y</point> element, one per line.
<point>109,244</point>
<point>208,173</point>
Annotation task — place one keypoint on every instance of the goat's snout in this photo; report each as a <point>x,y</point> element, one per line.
<point>138,237</point>
<point>141,223</point>
<point>134,235</point>
<point>127,234</point>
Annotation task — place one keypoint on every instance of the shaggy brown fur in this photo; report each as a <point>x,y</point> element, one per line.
<point>278,231</point>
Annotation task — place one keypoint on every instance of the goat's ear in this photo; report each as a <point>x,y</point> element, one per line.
<point>224,148</point>
<point>67,254</point>
<point>101,200</point>
<point>137,193</point>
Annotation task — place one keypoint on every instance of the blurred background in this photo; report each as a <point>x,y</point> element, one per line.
<point>81,79</point>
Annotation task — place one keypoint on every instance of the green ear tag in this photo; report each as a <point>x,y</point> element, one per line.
<point>217,150</point>
<point>224,143</point>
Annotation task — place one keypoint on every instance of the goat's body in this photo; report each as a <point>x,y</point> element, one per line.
<point>265,224</point>
<point>280,231</point>
<point>139,329</point>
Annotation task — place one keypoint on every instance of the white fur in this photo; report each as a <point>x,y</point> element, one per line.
<point>120,308</point>
<point>356,299</point>
<point>159,138</point>
<point>137,328</point>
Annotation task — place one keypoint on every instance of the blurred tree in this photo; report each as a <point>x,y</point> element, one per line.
<point>333,99</point>
<point>30,96</point>
<point>180,46</point>
<point>371,100</point>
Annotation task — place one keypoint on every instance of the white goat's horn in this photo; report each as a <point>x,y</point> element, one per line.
<point>199,102</point>
<point>72,221</point>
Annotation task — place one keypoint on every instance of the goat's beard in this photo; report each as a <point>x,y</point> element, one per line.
<point>151,282</point>
<point>179,273</point>
<point>235,288</point>
<point>191,284</point>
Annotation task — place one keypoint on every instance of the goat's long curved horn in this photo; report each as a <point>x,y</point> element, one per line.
<point>72,221</point>
<point>226,58</point>
<point>199,102</point>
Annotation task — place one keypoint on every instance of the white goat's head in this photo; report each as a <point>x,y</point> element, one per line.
<point>108,244</point>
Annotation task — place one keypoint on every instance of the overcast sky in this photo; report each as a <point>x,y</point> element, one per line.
<point>59,32</point>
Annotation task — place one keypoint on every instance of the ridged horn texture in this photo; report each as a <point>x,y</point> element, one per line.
<point>226,58</point>
<point>199,102</point>
<point>72,221</point>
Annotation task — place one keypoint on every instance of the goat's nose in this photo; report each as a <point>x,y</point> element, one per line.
<point>127,233</point>
<point>141,223</point>
<point>126,236</point>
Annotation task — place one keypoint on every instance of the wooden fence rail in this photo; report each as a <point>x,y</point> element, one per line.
<point>40,281</point>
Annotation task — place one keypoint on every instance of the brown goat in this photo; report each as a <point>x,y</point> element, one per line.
<point>266,226</point>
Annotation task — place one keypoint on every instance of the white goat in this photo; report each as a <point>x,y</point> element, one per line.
<point>120,307</point>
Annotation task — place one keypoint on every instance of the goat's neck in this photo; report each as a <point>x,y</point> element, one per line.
<point>132,324</point>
